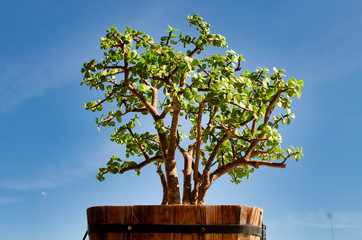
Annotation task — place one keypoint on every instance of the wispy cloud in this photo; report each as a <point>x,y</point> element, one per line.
<point>51,67</point>
<point>340,219</point>
<point>81,164</point>
<point>7,200</point>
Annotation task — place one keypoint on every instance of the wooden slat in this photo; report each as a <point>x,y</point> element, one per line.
<point>174,214</point>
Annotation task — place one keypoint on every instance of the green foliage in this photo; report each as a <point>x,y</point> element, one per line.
<point>140,76</point>
<point>238,173</point>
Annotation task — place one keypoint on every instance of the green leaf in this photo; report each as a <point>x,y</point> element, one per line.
<point>299,94</point>
<point>154,59</point>
<point>188,94</point>
<point>194,92</point>
<point>198,98</point>
<point>172,29</point>
<point>195,62</point>
<point>119,116</point>
<point>143,88</point>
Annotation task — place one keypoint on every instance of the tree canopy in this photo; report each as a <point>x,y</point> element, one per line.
<point>221,118</point>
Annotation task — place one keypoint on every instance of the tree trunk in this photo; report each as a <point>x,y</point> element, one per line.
<point>173,187</point>
<point>186,193</point>
<point>205,185</point>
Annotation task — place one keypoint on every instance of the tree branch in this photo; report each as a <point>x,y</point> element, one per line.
<point>201,189</point>
<point>115,67</point>
<point>253,127</point>
<point>107,80</point>
<point>198,143</point>
<point>252,147</point>
<point>271,106</point>
<point>207,74</point>
<point>257,153</point>
<point>276,122</point>
<point>142,164</point>
<point>238,68</point>
<point>194,51</point>
<point>243,162</point>
<point>152,110</point>
<point>163,114</point>
<point>216,150</point>
<point>138,36</point>
<point>145,155</point>
<point>95,106</point>
<point>107,119</point>
<point>245,109</point>
<point>163,182</point>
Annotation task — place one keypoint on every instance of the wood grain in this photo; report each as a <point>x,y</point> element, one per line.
<point>174,214</point>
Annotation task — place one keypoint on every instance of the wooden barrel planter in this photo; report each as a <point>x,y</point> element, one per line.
<point>175,222</point>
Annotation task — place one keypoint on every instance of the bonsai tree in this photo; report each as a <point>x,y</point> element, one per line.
<point>222,119</point>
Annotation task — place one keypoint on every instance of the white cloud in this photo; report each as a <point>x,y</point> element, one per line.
<point>32,75</point>
<point>340,219</point>
<point>84,162</point>
<point>7,200</point>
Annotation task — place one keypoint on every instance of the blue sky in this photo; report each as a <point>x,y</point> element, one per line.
<point>50,144</point>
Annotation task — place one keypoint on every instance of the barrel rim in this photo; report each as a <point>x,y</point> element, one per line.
<point>180,205</point>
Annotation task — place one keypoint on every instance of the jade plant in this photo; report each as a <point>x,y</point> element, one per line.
<point>191,97</point>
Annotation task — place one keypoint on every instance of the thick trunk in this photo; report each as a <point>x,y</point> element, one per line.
<point>197,156</point>
<point>173,188</point>
<point>195,194</point>
<point>205,185</point>
<point>186,194</point>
